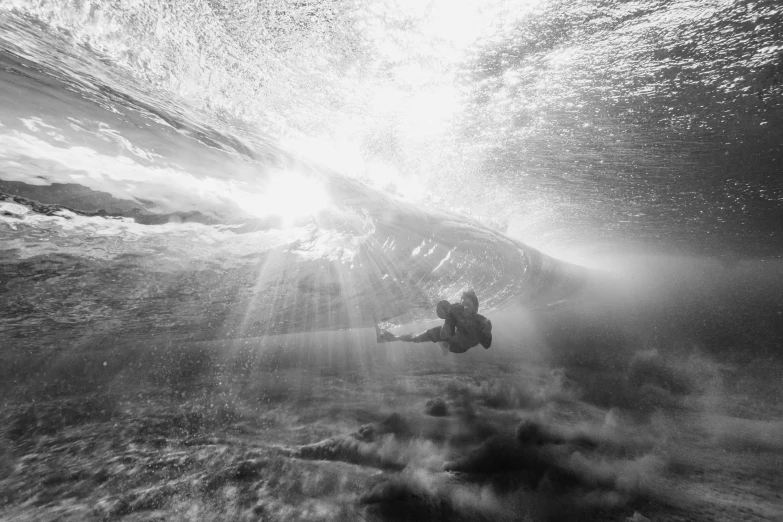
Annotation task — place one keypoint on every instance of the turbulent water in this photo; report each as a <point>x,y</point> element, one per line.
<point>180,181</point>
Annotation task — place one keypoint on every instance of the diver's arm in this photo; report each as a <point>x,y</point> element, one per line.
<point>447,330</point>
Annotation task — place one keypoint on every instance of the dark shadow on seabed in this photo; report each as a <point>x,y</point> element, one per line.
<point>590,410</point>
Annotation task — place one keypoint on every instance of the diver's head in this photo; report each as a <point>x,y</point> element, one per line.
<point>470,301</point>
<point>443,309</point>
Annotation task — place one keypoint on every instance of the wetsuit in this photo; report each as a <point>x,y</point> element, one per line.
<point>461,331</point>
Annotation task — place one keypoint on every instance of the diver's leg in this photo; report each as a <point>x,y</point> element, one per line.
<point>432,335</point>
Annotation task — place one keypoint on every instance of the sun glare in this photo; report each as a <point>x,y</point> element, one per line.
<point>290,197</point>
<point>345,157</point>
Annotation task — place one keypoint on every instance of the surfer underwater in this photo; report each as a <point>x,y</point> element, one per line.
<point>463,327</point>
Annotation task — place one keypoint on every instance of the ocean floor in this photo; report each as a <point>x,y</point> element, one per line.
<point>482,437</point>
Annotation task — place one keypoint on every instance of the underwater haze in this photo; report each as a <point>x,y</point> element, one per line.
<point>207,207</point>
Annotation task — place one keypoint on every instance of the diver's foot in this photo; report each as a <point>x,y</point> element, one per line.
<point>382,336</point>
